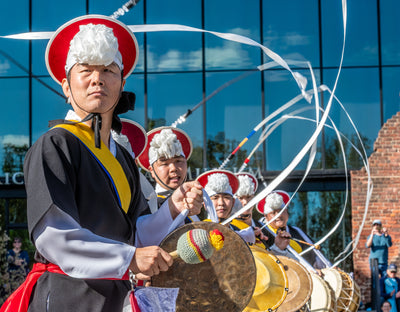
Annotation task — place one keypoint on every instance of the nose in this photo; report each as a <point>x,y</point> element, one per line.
<point>97,78</point>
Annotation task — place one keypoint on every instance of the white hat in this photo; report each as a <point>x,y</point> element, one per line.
<point>274,201</point>
<point>219,181</point>
<point>164,144</point>
<point>247,184</point>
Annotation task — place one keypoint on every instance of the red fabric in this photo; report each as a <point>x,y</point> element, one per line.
<point>19,299</point>
<point>133,301</point>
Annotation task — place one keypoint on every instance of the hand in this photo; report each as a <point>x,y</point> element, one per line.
<point>188,196</point>
<point>392,293</point>
<point>149,261</point>
<point>259,234</point>
<point>282,239</point>
<point>397,294</point>
<point>385,231</point>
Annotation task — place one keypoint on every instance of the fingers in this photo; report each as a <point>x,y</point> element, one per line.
<point>150,261</point>
<point>188,196</point>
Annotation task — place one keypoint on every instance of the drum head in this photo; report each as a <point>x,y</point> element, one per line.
<point>322,296</point>
<point>300,285</point>
<point>272,283</point>
<point>334,279</point>
<point>225,282</point>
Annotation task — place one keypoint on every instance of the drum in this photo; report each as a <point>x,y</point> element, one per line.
<point>272,282</point>
<point>300,286</point>
<point>351,291</point>
<point>322,296</point>
<point>223,283</point>
<point>347,292</point>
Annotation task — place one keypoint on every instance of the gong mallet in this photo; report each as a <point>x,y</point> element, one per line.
<point>198,245</point>
<point>318,247</point>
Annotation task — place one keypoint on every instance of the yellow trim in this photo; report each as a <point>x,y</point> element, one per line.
<point>86,135</point>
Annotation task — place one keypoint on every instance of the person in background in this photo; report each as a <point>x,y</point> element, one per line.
<point>386,306</point>
<point>390,287</point>
<point>379,241</point>
<point>18,263</point>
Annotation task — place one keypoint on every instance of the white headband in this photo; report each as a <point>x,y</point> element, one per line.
<point>93,45</point>
<point>218,183</point>
<point>165,144</point>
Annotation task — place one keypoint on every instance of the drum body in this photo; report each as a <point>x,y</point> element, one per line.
<point>272,283</point>
<point>322,296</point>
<point>223,283</point>
<point>347,292</point>
<point>300,286</point>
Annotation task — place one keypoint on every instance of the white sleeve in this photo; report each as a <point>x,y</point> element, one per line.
<point>279,252</point>
<point>248,235</point>
<point>77,251</point>
<point>152,228</point>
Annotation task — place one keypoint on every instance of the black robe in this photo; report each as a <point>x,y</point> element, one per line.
<point>60,171</point>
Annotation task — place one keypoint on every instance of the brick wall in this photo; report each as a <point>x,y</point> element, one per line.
<point>385,173</point>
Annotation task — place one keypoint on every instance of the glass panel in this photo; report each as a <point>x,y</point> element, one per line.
<point>48,104</point>
<point>14,120</point>
<point>316,213</point>
<point>135,83</point>
<point>391,92</point>
<point>286,33</point>
<point>14,59</point>
<point>170,96</point>
<point>358,90</point>
<point>286,141</point>
<point>174,51</point>
<point>231,115</point>
<point>390,25</point>
<point>361,38</point>
<point>237,17</point>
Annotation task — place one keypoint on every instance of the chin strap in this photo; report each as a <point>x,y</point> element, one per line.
<point>96,125</point>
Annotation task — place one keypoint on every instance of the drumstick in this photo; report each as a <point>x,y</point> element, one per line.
<point>306,243</point>
<point>197,245</point>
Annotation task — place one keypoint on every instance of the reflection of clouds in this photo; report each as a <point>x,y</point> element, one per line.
<point>4,67</point>
<point>229,54</point>
<point>286,40</point>
<point>17,140</point>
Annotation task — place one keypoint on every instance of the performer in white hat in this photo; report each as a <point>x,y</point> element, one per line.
<point>248,185</point>
<point>87,216</point>
<point>220,185</point>
<point>270,206</point>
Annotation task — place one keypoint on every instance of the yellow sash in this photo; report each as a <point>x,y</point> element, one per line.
<point>292,243</point>
<point>106,159</point>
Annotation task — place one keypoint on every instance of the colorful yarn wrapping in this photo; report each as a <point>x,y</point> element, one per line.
<point>197,245</point>
<point>217,239</point>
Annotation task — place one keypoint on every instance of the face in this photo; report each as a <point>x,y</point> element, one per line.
<point>17,243</point>
<point>93,88</point>
<point>377,227</point>
<point>246,216</point>
<point>386,306</point>
<point>391,274</point>
<point>279,222</point>
<point>171,171</point>
<point>223,204</point>
<point>245,199</point>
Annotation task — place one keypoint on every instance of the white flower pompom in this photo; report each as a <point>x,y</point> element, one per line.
<point>246,186</point>
<point>93,45</point>
<point>273,202</point>
<point>164,144</point>
<point>218,183</point>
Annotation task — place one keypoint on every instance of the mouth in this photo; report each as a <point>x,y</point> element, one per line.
<point>97,93</point>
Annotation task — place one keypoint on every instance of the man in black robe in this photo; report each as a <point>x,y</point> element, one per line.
<point>87,215</point>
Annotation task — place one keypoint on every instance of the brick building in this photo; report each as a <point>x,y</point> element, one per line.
<point>384,204</point>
